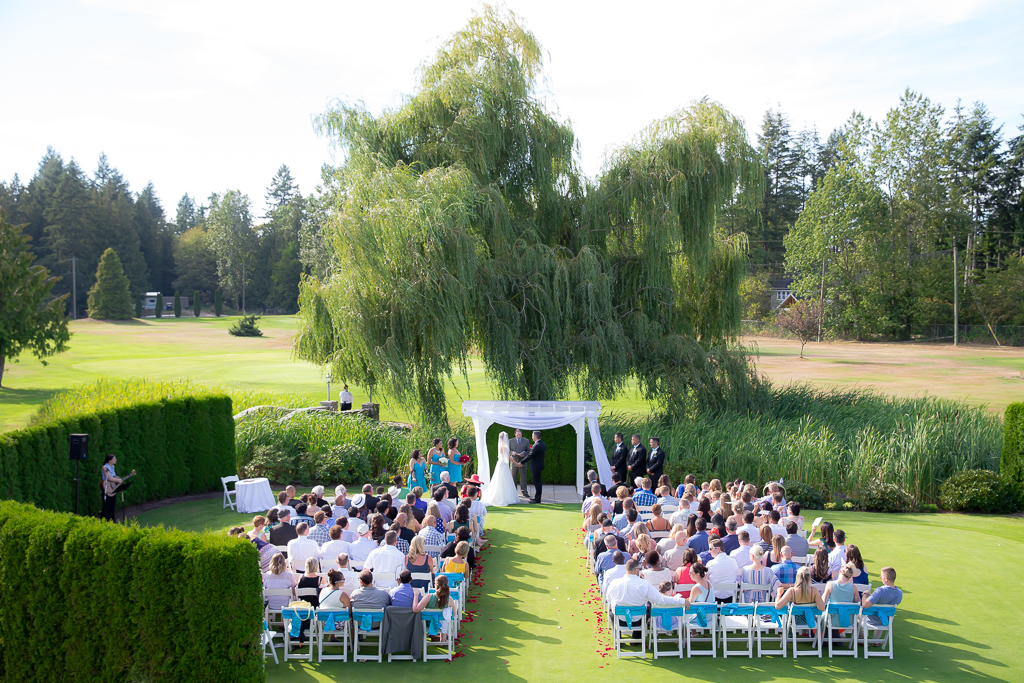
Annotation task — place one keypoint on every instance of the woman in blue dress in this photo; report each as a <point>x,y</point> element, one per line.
<point>434,456</point>
<point>417,471</point>
<point>454,466</point>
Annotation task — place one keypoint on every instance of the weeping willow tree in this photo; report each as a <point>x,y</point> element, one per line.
<point>463,225</point>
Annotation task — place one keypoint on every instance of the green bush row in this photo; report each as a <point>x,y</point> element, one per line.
<point>1011,465</point>
<point>179,444</point>
<point>977,491</point>
<point>83,600</point>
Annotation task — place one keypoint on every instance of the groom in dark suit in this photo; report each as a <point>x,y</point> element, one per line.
<point>536,461</point>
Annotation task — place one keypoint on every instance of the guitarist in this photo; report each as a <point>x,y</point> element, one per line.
<point>109,482</point>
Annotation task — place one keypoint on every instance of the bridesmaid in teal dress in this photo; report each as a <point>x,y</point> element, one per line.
<point>454,466</point>
<point>434,456</point>
<point>417,471</point>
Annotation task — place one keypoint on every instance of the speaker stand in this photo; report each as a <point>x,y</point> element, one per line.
<point>78,473</point>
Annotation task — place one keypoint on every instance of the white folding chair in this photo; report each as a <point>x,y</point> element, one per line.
<point>269,613</point>
<point>668,510</point>
<point>800,560</point>
<point>805,629</point>
<point>229,493</point>
<point>332,623</point>
<point>366,629</point>
<point>658,535</point>
<point>666,627</point>
<point>732,587</point>
<point>841,622</point>
<point>737,618</point>
<point>696,634</point>
<point>626,619</point>
<point>433,550</point>
<point>267,642</point>
<point>878,619</point>
<point>644,512</point>
<point>291,615</point>
<point>756,590</point>
<point>770,627</point>
<point>443,649</point>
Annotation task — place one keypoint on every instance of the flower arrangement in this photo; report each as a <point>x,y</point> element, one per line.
<point>443,460</point>
<point>464,459</point>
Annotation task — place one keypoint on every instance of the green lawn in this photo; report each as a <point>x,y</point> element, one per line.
<point>958,620</point>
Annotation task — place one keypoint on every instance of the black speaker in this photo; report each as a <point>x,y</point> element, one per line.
<point>78,446</point>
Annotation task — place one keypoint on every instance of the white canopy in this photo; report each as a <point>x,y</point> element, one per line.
<point>539,415</point>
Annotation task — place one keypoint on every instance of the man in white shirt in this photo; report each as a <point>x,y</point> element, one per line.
<point>302,548</point>
<point>361,549</point>
<point>837,558</point>
<point>330,550</point>
<point>776,524</point>
<point>742,554</point>
<point>617,570</point>
<point>721,569</point>
<point>632,590</point>
<point>749,526</point>
<point>283,506</point>
<point>345,399</point>
<point>385,562</point>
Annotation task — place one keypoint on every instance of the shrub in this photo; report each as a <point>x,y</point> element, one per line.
<point>928,507</point>
<point>1011,464</point>
<point>138,307</point>
<point>343,464</point>
<point>809,497</point>
<point>177,304</point>
<point>133,604</point>
<point>977,491</point>
<point>197,307</point>
<point>246,327</point>
<point>110,298</point>
<point>879,496</point>
<point>179,437</point>
<point>830,506</point>
<point>269,462</point>
<point>218,304</point>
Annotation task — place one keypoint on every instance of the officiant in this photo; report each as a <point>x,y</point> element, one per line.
<point>518,448</point>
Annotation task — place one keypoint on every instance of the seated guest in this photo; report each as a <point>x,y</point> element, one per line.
<point>592,519</point>
<point>837,558</point>
<point>461,536</point>
<point>588,486</point>
<point>279,577</point>
<point>775,554</point>
<point>826,539</point>
<point>701,590</point>
<point>704,509</point>
<point>748,525</point>
<point>431,536</point>
<point>621,495</point>
<point>699,540</point>
<point>311,579</point>
<point>776,523</point>
<point>616,571</point>
<point>682,515</point>
<point>665,497</point>
<point>633,590</point>
<point>629,517</point>
<point>333,597</point>
<point>759,575</point>
<point>361,549</point>
<point>283,506</point>
<point>377,527</point>
<point>406,528</point>
<point>347,533</point>
<point>657,522</point>
<point>795,541</point>
<point>369,500</point>
<point>741,553</point>
<point>688,480</point>
<point>766,538</point>
<point>668,543</point>
<point>460,520</point>
<point>819,568</point>
<point>418,562</point>
<point>419,503</point>
<point>385,561</point>
<point>730,541</point>
<point>351,577</point>
<point>617,485</point>
<point>860,575</point>
<point>414,510</point>
<point>683,576</point>
<point>886,594</point>
<point>317,495</point>
<point>368,596</point>
<point>355,513</point>
<point>785,571</point>
<point>405,594</point>
<point>645,496</point>
<point>717,523</point>
<point>290,492</point>
<point>301,517</point>
<point>302,547</point>
<point>477,513</point>
<point>801,592</point>
<point>330,550</point>
<point>451,493</point>
<point>673,558</point>
<point>434,512</point>
<point>281,534</point>
<point>319,532</point>
<point>722,569</point>
<point>459,563</point>
<point>641,545</point>
<point>596,498</point>
<point>655,572</point>
<point>842,589</point>
<point>604,559</point>
<point>794,515</point>
<point>339,507</point>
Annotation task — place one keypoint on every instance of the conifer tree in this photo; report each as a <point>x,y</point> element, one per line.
<point>218,305</point>
<point>177,304</point>
<point>197,307</point>
<point>159,308</point>
<point>110,297</point>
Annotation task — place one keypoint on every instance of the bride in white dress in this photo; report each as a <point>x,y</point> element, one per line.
<point>501,490</point>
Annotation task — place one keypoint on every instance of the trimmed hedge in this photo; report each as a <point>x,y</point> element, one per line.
<point>179,445</point>
<point>86,600</point>
<point>1011,464</point>
<point>559,456</point>
<point>977,491</point>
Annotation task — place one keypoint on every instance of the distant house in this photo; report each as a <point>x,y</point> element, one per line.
<point>781,293</point>
<point>149,302</point>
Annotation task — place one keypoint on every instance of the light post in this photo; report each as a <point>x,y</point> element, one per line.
<point>329,386</point>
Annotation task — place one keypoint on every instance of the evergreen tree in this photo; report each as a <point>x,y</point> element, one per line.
<point>138,307</point>
<point>29,317</point>
<point>177,304</point>
<point>283,189</point>
<point>159,308</point>
<point>70,224</point>
<point>155,238</point>
<point>783,180</point>
<point>218,305</point>
<point>114,211</point>
<point>186,218</point>
<point>110,297</point>
<point>197,307</point>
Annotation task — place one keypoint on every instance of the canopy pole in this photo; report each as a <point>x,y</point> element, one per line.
<point>483,461</point>
<point>579,425</point>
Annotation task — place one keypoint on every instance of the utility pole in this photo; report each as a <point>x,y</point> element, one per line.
<point>74,291</point>
<point>821,299</point>
<point>956,302</point>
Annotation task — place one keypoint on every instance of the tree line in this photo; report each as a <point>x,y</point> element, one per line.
<point>219,246</point>
<point>867,221</point>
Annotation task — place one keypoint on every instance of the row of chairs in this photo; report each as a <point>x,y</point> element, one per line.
<point>800,629</point>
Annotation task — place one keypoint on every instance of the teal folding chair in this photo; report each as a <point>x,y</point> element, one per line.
<point>435,624</point>
<point>702,628</point>
<point>878,619</point>
<point>366,626</point>
<point>332,623</point>
<point>841,622</point>
<point>770,627</point>
<point>293,628</point>
<point>805,629</point>
<point>626,620</point>
<point>667,628</point>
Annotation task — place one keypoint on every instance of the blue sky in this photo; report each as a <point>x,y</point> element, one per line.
<point>201,96</point>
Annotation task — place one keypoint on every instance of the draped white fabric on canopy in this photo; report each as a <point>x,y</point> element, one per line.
<point>539,415</point>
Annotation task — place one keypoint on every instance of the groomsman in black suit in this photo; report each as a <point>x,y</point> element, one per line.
<point>655,461</point>
<point>637,461</point>
<point>620,457</point>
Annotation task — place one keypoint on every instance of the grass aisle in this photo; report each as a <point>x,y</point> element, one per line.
<point>959,619</point>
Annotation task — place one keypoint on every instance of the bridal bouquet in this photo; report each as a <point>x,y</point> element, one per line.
<point>444,460</point>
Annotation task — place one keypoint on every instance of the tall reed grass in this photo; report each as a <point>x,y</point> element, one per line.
<point>835,440</point>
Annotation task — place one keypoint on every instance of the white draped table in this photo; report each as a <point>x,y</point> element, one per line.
<point>254,495</point>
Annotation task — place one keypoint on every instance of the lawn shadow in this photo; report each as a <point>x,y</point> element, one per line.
<point>12,396</point>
